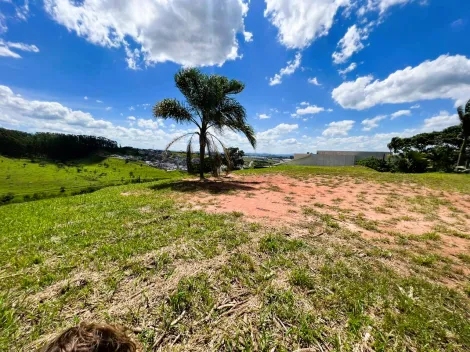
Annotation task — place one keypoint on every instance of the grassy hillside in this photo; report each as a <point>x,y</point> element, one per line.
<point>183,279</point>
<point>24,179</point>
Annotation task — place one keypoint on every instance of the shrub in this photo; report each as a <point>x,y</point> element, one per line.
<point>409,162</point>
<point>6,198</point>
<point>381,165</point>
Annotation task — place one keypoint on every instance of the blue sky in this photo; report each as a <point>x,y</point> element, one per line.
<point>319,74</point>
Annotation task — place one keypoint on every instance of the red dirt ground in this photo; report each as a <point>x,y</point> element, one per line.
<point>374,210</point>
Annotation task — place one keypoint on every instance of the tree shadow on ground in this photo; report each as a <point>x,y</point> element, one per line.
<point>213,187</point>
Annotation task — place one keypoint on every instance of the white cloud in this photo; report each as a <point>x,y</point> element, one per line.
<point>108,108</point>
<point>350,44</point>
<point>6,52</point>
<point>131,118</point>
<point>314,81</point>
<point>248,36</point>
<point>304,103</point>
<point>160,30</point>
<point>85,97</point>
<point>291,67</point>
<point>275,132</point>
<point>348,69</point>
<point>309,110</point>
<point>150,123</point>
<point>23,47</point>
<point>440,122</point>
<point>416,106</point>
<point>263,116</point>
<point>382,6</point>
<point>99,101</point>
<point>400,113</point>
<point>300,22</point>
<point>370,124</point>
<point>447,77</point>
<point>131,108</point>
<point>6,49</point>
<point>338,128</point>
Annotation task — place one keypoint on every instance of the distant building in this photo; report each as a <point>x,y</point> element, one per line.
<point>335,158</point>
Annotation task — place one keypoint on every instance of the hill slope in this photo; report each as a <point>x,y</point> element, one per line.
<point>183,279</point>
<point>24,179</point>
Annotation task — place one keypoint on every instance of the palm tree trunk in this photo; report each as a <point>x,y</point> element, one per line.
<point>202,150</point>
<point>462,150</point>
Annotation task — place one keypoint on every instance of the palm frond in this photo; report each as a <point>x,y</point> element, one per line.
<point>226,152</point>
<point>178,139</point>
<point>214,155</point>
<point>172,109</point>
<point>189,155</point>
<point>460,113</point>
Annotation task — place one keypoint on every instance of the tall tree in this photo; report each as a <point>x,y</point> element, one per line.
<point>464,116</point>
<point>210,106</point>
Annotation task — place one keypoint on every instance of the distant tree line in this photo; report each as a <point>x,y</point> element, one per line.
<point>435,151</point>
<point>51,145</point>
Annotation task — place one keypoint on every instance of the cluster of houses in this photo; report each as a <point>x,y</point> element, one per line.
<point>177,161</point>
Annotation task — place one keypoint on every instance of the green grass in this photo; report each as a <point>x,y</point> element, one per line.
<point>440,181</point>
<point>189,280</point>
<point>27,180</point>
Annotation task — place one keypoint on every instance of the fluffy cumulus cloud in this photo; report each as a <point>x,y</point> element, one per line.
<point>263,116</point>
<point>370,124</point>
<point>300,22</point>
<point>447,77</point>
<point>350,44</point>
<point>9,49</point>
<point>158,31</point>
<point>441,121</point>
<point>400,113</point>
<point>291,67</point>
<point>309,109</point>
<point>275,133</point>
<point>338,128</point>
<point>33,115</point>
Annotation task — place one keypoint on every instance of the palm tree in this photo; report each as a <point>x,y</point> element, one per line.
<point>210,106</point>
<point>464,116</point>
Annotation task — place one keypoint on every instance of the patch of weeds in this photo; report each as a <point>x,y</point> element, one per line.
<point>272,244</point>
<point>301,277</point>
<point>192,295</point>
<point>288,199</point>
<point>237,214</point>
<point>241,268</point>
<point>310,211</point>
<point>467,290</point>
<point>381,210</point>
<point>370,225</point>
<point>329,221</point>
<point>337,200</point>
<point>464,257</point>
<point>273,188</point>
<point>319,205</point>
<point>425,260</point>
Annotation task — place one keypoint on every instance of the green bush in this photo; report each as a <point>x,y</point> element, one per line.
<point>381,165</point>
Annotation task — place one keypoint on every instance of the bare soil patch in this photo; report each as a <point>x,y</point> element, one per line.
<point>393,214</point>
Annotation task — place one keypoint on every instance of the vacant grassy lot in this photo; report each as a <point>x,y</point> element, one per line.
<point>26,180</point>
<point>184,279</point>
